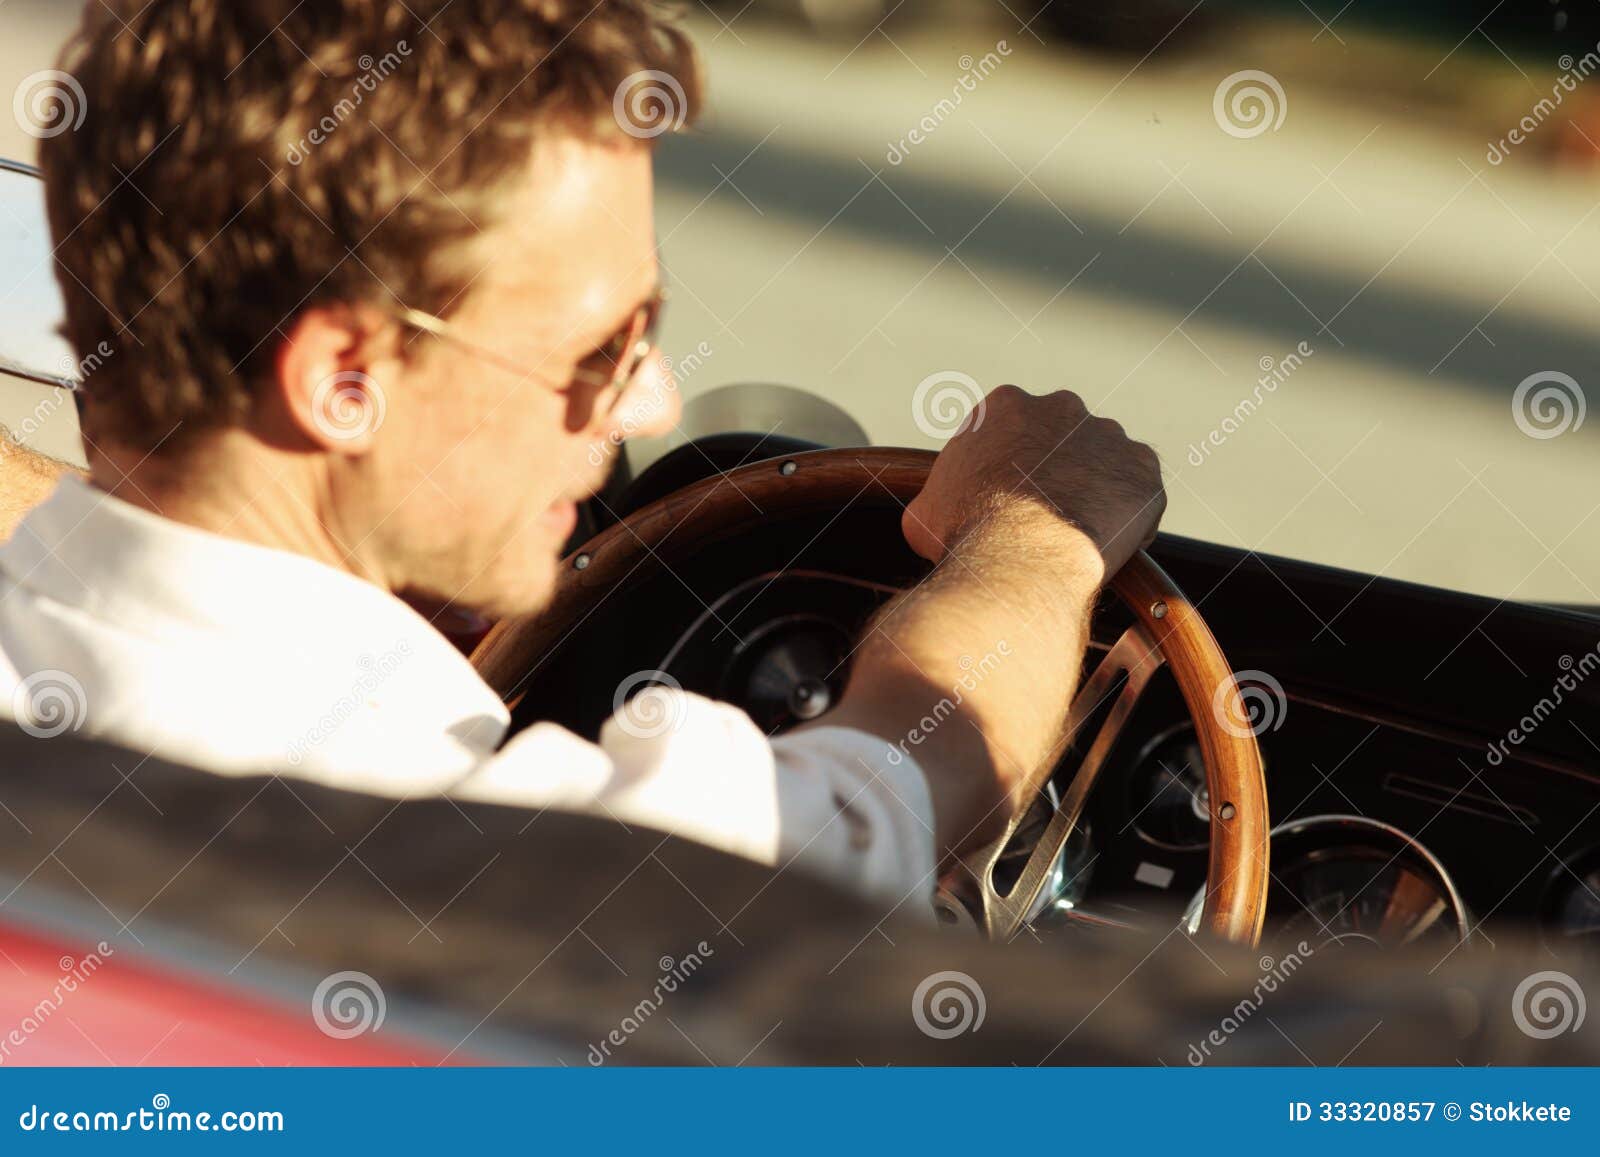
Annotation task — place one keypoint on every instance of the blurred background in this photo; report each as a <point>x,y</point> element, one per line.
<point>1339,263</point>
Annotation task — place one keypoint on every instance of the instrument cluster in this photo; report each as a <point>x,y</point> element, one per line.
<point>1370,853</point>
<point>1350,866</point>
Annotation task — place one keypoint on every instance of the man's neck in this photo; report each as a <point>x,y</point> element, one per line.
<point>233,485</point>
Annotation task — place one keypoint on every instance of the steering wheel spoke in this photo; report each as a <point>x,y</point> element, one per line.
<point>1131,662</point>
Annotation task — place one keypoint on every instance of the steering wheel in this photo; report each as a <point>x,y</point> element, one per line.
<point>1167,629</point>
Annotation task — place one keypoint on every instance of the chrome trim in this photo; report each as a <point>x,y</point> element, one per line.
<point>1336,821</point>
<point>13,370</point>
<point>27,170</point>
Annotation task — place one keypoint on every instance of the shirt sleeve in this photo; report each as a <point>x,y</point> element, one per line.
<point>828,801</point>
<point>849,813</point>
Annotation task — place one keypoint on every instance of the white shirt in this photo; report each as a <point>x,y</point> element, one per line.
<point>238,659</point>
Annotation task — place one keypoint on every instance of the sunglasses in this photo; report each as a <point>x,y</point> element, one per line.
<point>610,367</point>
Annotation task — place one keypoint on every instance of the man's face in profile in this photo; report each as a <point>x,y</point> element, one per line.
<point>469,485</point>
<point>387,361</point>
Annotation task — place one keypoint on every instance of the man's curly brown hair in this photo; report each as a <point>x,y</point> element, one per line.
<point>242,160</point>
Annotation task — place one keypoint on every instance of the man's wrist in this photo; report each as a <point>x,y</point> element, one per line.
<point>1027,532</point>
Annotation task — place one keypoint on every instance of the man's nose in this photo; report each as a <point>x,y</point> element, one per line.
<point>650,405</point>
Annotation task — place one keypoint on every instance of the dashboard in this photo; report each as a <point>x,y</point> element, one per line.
<point>1432,759</point>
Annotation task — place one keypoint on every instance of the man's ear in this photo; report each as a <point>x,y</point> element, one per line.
<point>328,380</point>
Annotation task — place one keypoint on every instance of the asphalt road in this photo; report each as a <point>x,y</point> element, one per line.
<point>1063,219</point>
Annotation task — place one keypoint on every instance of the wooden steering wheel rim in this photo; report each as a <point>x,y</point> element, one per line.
<point>678,525</point>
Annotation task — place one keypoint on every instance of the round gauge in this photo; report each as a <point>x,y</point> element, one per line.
<point>1171,807</point>
<point>789,671</point>
<point>1572,915</point>
<point>1354,882</point>
<point>1351,882</point>
<point>776,645</point>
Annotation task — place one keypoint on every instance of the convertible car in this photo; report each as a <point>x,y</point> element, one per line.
<point>1344,860</point>
<point>1308,815</point>
<point>1198,883</point>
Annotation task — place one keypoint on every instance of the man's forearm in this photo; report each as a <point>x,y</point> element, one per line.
<point>970,674</point>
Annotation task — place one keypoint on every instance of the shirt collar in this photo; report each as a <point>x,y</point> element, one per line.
<point>138,570</point>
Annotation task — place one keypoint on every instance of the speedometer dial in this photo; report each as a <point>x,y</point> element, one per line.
<point>1348,881</point>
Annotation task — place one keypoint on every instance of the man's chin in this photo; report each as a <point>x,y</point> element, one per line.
<point>475,609</point>
<point>526,593</point>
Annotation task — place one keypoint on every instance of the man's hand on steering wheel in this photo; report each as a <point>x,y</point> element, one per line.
<point>1027,511</point>
<point>1049,464</point>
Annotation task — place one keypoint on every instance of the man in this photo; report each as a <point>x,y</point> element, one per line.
<point>380,278</point>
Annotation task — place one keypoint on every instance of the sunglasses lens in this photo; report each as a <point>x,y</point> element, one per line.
<point>619,359</point>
